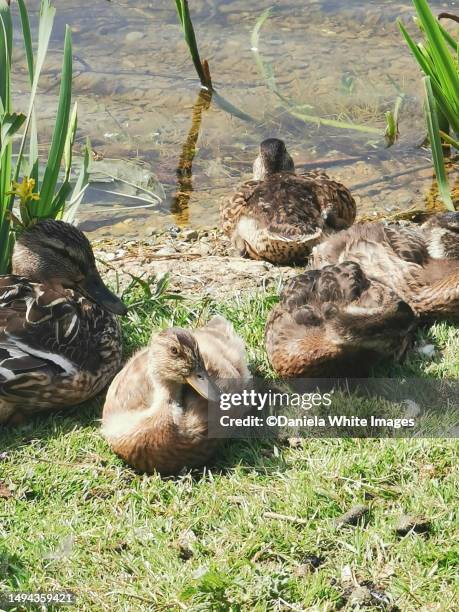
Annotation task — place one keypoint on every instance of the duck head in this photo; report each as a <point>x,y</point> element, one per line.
<point>273,158</point>
<point>174,359</point>
<point>57,253</point>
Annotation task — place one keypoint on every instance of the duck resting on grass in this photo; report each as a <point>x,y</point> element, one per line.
<point>419,263</point>
<point>370,286</point>
<point>335,322</point>
<point>279,216</point>
<point>60,342</point>
<point>156,412</point>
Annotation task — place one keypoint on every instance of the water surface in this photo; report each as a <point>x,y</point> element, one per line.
<point>136,90</point>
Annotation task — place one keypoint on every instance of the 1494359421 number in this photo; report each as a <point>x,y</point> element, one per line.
<point>13,598</point>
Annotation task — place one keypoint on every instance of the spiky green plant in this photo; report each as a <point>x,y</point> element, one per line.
<point>437,58</point>
<point>26,192</point>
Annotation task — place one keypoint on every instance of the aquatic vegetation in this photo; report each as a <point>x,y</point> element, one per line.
<point>42,192</point>
<point>202,67</point>
<point>437,59</point>
<point>431,111</point>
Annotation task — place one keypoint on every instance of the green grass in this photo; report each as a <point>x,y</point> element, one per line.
<point>79,519</point>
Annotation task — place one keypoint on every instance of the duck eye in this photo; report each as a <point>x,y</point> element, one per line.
<point>174,350</point>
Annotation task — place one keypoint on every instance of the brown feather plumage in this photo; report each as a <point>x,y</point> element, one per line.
<point>152,418</point>
<point>283,215</point>
<point>58,347</point>
<point>335,322</point>
<point>420,264</point>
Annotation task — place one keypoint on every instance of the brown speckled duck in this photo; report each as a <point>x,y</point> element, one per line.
<point>60,342</point>
<point>420,264</point>
<point>156,412</point>
<point>370,287</point>
<point>335,322</point>
<point>279,215</point>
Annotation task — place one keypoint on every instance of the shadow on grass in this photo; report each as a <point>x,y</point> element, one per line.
<point>255,455</point>
<point>45,425</point>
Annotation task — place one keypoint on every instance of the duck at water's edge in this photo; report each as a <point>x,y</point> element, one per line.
<point>279,215</point>
<point>60,343</point>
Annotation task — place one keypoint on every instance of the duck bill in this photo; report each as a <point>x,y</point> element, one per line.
<point>201,383</point>
<point>93,286</point>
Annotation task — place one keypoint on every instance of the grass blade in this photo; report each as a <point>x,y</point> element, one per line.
<point>190,37</point>
<point>10,124</point>
<point>6,37</point>
<point>79,189</point>
<point>435,143</point>
<point>449,140</point>
<point>47,14</point>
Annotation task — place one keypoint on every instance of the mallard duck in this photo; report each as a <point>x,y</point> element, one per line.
<point>156,412</point>
<point>420,264</point>
<point>60,342</point>
<point>279,215</point>
<point>335,322</point>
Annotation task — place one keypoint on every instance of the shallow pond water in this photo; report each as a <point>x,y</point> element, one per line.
<point>137,94</point>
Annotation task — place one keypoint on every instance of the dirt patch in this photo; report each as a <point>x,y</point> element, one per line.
<point>198,262</point>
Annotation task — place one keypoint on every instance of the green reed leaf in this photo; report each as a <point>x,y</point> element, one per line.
<point>435,143</point>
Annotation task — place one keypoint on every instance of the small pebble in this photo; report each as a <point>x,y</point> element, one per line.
<point>166,251</point>
<point>189,234</point>
<point>428,350</point>
<point>360,596</point>
<point>134,37</point>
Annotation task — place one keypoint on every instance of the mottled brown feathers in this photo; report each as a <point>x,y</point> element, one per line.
<point>283,215</point>
<point>335,322</point>
<point>58,347</point>
<point>420,264</point>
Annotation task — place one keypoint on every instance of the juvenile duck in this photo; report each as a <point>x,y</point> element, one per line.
<point>335,322</point>
<point>60,342</point>
<point>156,412</point>
<point>279,215</point>
<point>420,264</point>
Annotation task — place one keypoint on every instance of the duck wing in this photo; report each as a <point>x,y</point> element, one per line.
<point>442,235</point>
<point>47,333</point>
<point>336,203</point>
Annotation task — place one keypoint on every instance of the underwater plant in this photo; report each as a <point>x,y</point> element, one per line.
<point>28,192</point>
<point>438,60</point>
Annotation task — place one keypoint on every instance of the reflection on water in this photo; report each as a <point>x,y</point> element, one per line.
<point>180,202</point>
<point>136,89</point>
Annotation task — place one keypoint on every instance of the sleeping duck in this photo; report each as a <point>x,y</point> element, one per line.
<point>336,322</point>
<point>60,342</point>
<point>370,287</point>
<point>279,215</point>
<point>156,412</point>
<point>420,264</point>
